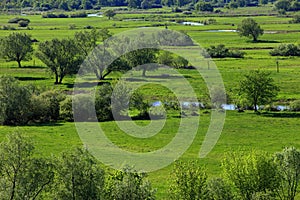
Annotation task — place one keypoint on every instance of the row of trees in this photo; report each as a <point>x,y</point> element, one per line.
<point>253,176</point>
<point>75,175</point>
<point>78,175</point>
<point>64,56</point>
<point>96,4</point>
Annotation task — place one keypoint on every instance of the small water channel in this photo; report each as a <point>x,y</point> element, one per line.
<point>187,104</point>
<point>192,23</point>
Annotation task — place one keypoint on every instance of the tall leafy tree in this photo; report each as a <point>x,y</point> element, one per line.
<point>250,28</point>
<point>22,175</point>
<point>251,174</point>
<point>16,47</point>
<point>14,102</point>
<point>79,176</point>
<point>289,168</point>
<point>258,88</point>
<point>62,57</point>
<point>109,13</point>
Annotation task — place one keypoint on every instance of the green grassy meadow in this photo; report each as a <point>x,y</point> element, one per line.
<point>268,132</point>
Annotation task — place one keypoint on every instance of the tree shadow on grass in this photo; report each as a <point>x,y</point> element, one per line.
<point>281,114</point>
<point>30,78</point>
<point>45,124</point>
<point>33,67</point>
<point>263,41</point>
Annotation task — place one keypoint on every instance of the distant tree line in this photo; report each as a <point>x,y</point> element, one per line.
<point>43,5</point>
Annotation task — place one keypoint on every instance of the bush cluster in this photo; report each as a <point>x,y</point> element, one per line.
<point>221,51</point>
<point>16,20</point>
<point>62,15</point>
<point>286,50</point>
<point>256,175</point>
<point>21,105</point>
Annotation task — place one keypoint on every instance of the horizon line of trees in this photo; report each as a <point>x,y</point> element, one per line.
<point>67,5</point>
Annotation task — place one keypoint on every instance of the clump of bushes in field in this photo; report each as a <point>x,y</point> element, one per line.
<point>78,15</point>
<point>295,105</point>
<point>221,51</point>
<point>75,174</point>
<point>17,20</point>
<point>295,20</point>
<point>256,175</point>
<point>286,50</point>
<point>62,15</point>
<point>21,105</point>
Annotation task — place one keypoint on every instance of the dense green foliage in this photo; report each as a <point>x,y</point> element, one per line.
<point>250,28</point>
<point>221,51</point>
<point>61,56</point>
<point>286,50</point>
<point>258,88</point>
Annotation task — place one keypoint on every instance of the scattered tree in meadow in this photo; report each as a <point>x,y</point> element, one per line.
<point>109,13</point>
<point>286,50</point>
<point>16,47</point>
<point>258,88</point>
<point>62,57</point>
<point>22,175</point>
<point>250,28</point>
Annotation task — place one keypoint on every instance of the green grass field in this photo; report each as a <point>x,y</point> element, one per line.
<point>268,132</point>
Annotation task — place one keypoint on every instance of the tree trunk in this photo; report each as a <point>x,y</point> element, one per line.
<point>19,63</point>
<point>56,78</point>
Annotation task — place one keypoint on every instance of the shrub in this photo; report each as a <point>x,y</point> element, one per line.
<point>103,103</point>
<point>62,15</point>
<point>82,106</point>
<point>46,106</point>
<point>295,105</point>
<point>78,15</point>
<point>17,20</point>
<point>189,181</point>
<point>252,174</point>
<point>72,26</point>
<point>219,189</point>
<point>286,50</point>
<point>49,15</point>
<point>295,20</point>
<point>23,23</point>
<point>221,51</point>
<point>129,184</point>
